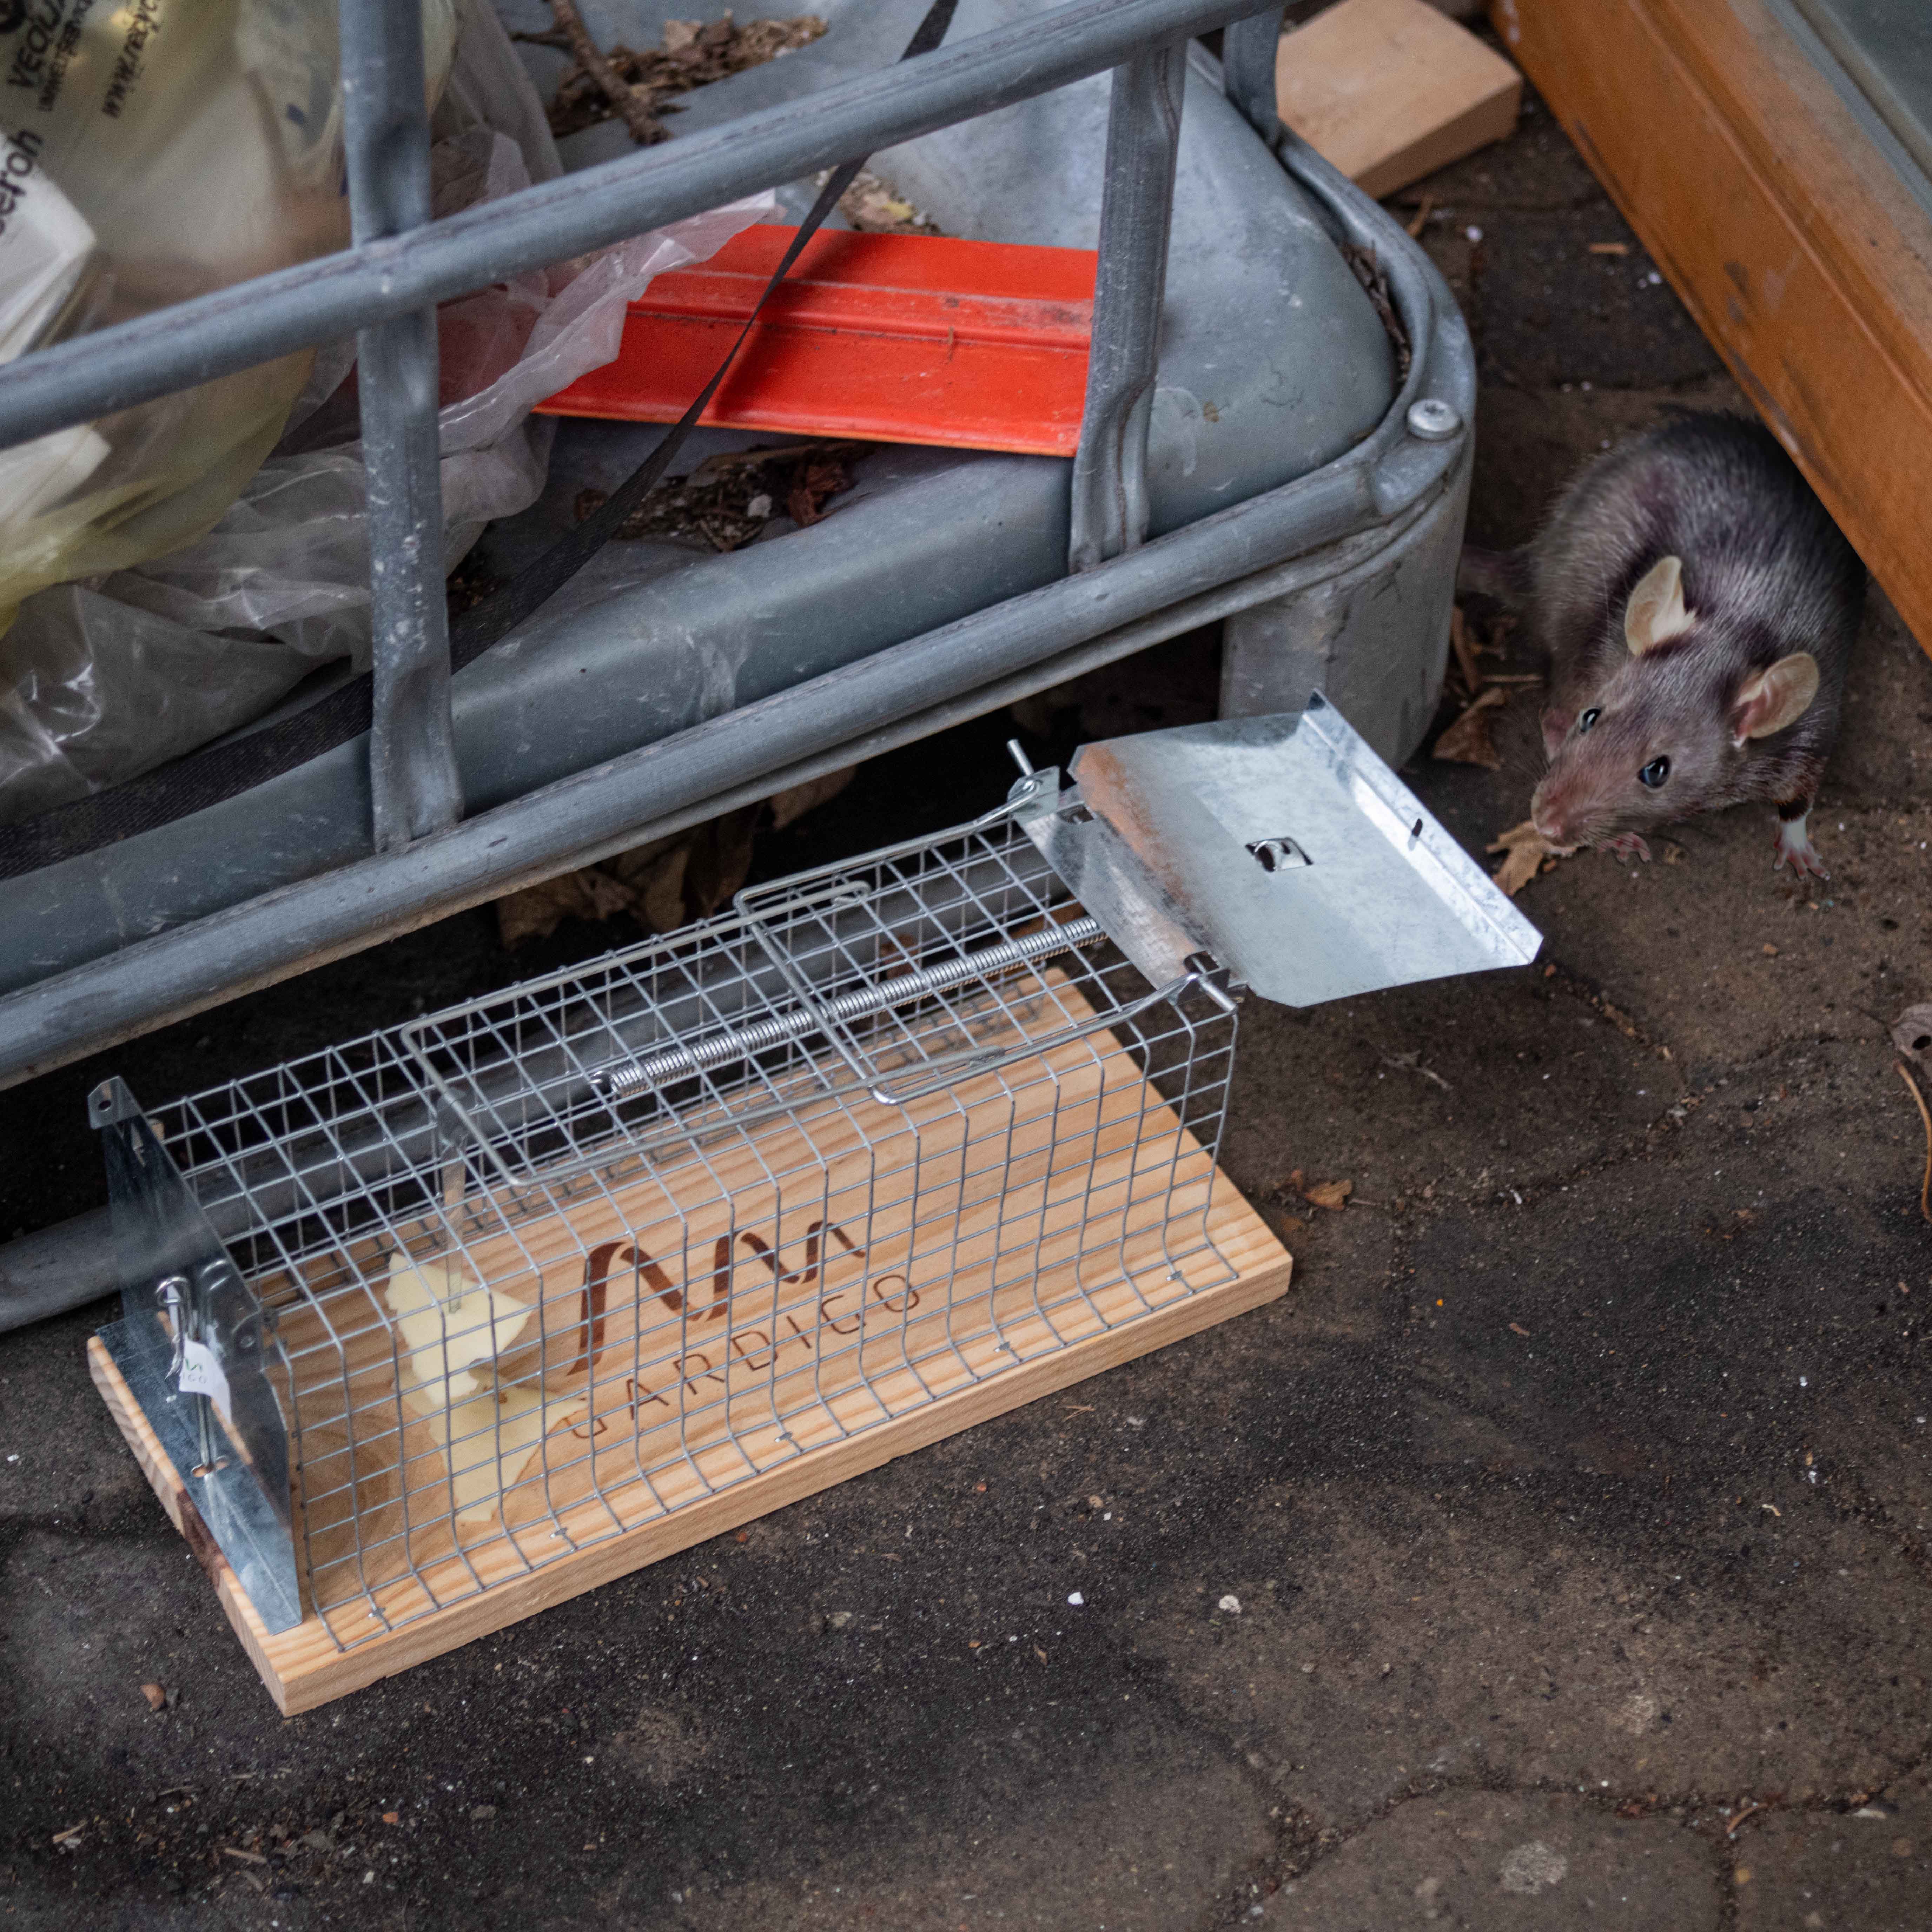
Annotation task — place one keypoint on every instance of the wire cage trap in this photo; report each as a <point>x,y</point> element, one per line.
<point>423,1332</point>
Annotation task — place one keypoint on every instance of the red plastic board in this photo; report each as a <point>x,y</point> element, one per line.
<point>890,338</point>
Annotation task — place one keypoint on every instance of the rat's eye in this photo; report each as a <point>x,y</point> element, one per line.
<point>1654,773</point>
<point>1589,718</point>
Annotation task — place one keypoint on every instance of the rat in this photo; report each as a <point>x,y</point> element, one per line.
<point>1699,606</point>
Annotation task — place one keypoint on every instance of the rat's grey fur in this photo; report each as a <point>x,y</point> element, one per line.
<point>1766,575</point>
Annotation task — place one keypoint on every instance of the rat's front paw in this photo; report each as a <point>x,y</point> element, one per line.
<point>1792,846</point>
<point>1627,845</point>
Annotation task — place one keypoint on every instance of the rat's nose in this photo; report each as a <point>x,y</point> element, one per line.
<point>1546,815</point>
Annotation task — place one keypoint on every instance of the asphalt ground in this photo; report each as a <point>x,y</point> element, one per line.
<point>1575,1497</point>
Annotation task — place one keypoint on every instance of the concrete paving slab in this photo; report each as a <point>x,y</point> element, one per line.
<point>1549,310</point>
<point>1505,1863</point>
<point>1864,1867</point>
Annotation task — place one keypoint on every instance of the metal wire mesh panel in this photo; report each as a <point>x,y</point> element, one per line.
<point>552,1264</point>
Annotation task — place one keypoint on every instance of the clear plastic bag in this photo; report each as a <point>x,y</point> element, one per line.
<point>156,151</point>
<point>282,576</point>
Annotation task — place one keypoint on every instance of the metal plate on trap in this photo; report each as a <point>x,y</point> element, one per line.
<point>1283,846</point>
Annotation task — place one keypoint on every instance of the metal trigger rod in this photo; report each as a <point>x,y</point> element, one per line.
<point>618,1080</point>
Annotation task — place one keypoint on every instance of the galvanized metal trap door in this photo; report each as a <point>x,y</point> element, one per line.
<point>193,1345</point>
<point>1282,847</point>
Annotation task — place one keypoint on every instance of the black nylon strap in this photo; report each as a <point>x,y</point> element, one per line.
<point>202,779</point>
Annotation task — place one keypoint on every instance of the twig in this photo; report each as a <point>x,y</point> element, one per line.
<point>1422,214</point>
<point>1925,1185</point>
<point>1412,1063</point>
<point>644,125</point>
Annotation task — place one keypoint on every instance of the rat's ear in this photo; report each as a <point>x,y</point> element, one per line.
<point>1770,699</point>
<point>1655,612</point>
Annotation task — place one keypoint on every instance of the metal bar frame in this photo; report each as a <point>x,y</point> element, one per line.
<point>1248,54</point>
<point>1110,491</point>
<point>386,286</point>
<point>413,785</point>
<point>751,751</point>
<point>378,281</point>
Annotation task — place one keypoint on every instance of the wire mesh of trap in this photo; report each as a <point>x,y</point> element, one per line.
<point>563,1260</point>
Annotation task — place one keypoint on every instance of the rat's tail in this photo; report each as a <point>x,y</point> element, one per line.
<point>1501,574</point>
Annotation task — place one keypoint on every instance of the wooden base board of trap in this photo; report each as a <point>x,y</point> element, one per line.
<point>304,1667</point>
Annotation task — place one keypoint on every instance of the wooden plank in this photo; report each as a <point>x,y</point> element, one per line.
<point>1782,228</point>
<point>652,1444</point>
<point>1391,90</point>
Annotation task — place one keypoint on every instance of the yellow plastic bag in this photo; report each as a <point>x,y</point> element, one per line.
<point>155,150</point>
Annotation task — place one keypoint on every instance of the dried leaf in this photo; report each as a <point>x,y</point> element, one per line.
<point>877,208</point>
<point>1467,741</point>
<point>692,54</point>
<point>637,867</point>
<point>662,899</point>
<point>726,502</point>
<point>157,1698</point>
<point>1516,872</point>
<point>815,481</point>
<point>797,800</point>
<point>1518,836</point>
<point>1332,1195</point>
<point>1368,270</point>
<point>538,910</point>
<point>1526,853</point>
<point>663,884</point>
<point>1465,652</point>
